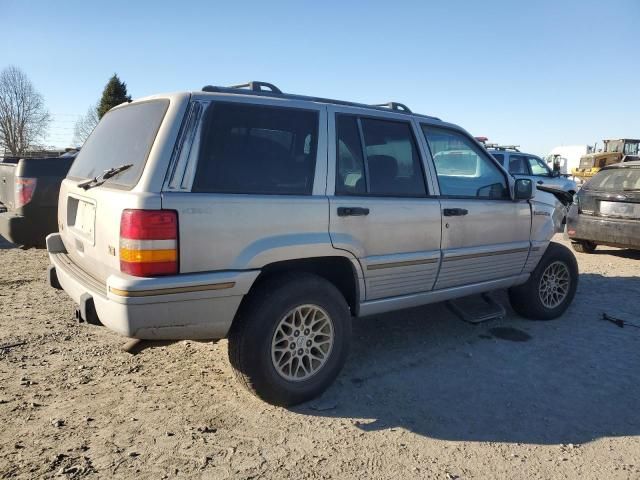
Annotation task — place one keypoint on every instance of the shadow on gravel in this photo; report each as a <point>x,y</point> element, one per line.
<point>575,379</point>
<point>621,253</point>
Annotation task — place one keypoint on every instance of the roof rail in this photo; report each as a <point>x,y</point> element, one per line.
<point>265,89</point>
<point>400,107</point>
<point>254,86</point>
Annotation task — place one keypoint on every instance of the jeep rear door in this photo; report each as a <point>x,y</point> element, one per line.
<point>380,205</point>
<point>485,235</point>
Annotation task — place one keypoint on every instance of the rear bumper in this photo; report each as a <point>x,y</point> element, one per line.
<point>604,231</point>
<point>189,306</point>
<point>23,230</point>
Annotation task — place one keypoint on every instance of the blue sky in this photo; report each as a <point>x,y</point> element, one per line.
<point>538,73</point>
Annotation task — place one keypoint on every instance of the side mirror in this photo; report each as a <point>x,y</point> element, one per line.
<point>523,189</point>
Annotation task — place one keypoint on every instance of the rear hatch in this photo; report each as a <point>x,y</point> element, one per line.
<point>612,193</point>
<point>89,217</point>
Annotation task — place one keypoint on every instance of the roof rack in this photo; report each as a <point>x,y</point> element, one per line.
<point>398,107</point>
<point>254,86</point>
<point>495,146</point>
<point>267,89</point>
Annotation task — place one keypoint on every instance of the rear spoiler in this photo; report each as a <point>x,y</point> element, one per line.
<point>564,197</point>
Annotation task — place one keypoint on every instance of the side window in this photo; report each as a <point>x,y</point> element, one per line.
<point>463,169</point>
<point>518,165</point>
<point>538,167</point>
<point>350,176</point>
<point>256,149</point>
<point>390,164</point>
<point>499,157</point>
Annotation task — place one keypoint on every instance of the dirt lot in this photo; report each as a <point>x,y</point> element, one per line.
<point>423,395</point>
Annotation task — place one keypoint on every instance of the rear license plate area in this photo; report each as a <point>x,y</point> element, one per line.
<point>619,209</point>
<point>81,218</point>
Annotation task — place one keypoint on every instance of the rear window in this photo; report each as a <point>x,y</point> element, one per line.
<point>123,136</point>
<point>615,180</point>
<point>257,149</point>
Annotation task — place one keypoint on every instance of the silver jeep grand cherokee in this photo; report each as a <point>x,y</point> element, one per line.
<point>273,219</point>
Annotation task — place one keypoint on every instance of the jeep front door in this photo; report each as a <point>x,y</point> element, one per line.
<point>485,235</point>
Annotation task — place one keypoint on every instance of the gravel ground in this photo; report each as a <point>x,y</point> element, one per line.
<point>423,395</point>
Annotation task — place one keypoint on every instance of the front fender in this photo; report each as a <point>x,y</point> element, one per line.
<point>548,215</point>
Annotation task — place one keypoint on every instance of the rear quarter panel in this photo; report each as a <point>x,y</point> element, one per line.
<point>100,258</point>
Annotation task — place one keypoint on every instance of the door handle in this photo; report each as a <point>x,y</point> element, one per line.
<point>454,212</point>
<point>352,211</point>
<point>540,182</point>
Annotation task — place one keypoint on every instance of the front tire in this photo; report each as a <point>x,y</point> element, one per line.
<point>291,338</point>
<point>551,286</point>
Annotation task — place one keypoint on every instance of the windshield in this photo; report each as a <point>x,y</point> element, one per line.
<point>538,167</point>
<point>615,180</point>
<point>123,136</point>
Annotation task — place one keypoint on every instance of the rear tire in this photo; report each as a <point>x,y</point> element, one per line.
<point>551,286</point>
<point>584,246</point>
<point>290,338</point>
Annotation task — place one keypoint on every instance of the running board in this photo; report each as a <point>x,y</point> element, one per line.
<point>477,308</point>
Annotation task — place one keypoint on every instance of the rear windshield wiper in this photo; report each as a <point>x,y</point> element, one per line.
<point>104,176</point>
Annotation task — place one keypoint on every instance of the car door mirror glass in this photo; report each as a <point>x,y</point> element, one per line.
<point>523,189</point>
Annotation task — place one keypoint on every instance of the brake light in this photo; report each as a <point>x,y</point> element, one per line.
<point>149,242</point>
<point>24,188</point>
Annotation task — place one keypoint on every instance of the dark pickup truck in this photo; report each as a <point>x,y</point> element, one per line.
<point>29,190</point>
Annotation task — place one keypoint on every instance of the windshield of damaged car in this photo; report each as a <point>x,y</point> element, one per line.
<point>615,180</point>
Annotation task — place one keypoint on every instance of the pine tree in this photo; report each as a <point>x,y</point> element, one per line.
<point>115,93</point>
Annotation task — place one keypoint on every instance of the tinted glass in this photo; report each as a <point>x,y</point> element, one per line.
<point>615,180</point>
<point>499,157</point>
<point>123,136</point>
<point>393,162</point>
<point>518,165</point>
<point>350,176</point>
<point>256,149</point>
<point>463,169</point>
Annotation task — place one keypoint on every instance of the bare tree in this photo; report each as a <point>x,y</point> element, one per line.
<point>85,125</point>
<point>23,117</point>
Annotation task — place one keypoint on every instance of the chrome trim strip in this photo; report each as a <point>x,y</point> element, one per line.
<point>169,291</point>
<point>485,254</point>
<point>405,263</point>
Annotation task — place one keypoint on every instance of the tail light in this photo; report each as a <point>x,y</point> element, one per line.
<point>24,188</point>
<point>149,242</point>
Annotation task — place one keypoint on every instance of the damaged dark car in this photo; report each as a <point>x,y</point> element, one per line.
<point>606,211</point>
